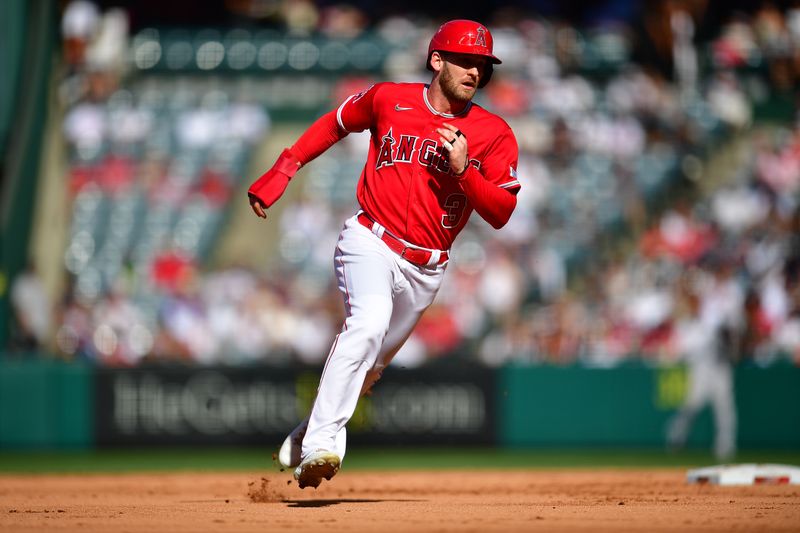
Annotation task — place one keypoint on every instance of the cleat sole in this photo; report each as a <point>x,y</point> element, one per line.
<point>314,471</point>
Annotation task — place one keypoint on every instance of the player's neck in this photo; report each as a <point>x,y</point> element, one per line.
<point>439,101</point>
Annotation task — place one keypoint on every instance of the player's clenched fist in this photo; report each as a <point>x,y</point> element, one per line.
<point>456,144</point>
<point>266,190</point>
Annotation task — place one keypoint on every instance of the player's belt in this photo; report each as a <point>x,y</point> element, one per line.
<point>416,255</point>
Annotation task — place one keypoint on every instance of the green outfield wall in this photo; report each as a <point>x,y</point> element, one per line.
<point>45,404</point>
<point>545,406</point>
<point>631,406</point>
<point>50,404</point>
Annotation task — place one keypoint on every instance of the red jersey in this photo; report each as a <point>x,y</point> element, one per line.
<point>407,184</point>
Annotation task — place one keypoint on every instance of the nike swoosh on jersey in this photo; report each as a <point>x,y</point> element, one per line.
<point>398,107</point>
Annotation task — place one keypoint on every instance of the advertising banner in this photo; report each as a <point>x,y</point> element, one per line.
<point>260,405</point>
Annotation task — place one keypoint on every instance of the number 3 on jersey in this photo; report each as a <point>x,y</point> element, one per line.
<point>454,205</point>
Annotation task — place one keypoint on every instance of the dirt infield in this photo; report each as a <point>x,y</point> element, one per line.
<point>479,501</point>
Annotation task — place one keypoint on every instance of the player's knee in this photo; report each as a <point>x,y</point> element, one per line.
<point>368,324</point>
<point>370,333</point>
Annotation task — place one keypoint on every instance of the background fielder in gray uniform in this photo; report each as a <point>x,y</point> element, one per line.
<point>702,338</point>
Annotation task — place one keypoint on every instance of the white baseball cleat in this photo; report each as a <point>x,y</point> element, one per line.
<point>291,449</point>
<point>317,466</point>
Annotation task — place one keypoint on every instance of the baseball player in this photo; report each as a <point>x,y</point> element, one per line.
<point>700,336</point>
<point>434,158</point>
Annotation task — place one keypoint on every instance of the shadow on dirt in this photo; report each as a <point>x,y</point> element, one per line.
<point>328,503</point>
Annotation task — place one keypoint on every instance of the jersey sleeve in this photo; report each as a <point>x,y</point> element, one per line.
<point>492,190</point>
<point>499,167</point>
<point>356,112</point>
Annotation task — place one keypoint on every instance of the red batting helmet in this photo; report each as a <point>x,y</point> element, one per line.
<point>464,37</point>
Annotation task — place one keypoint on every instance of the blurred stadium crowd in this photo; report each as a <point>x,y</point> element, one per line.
<point>630,204</point>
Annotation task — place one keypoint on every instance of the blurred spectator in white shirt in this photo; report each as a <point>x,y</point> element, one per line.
<point>79,24</point>
<point>32,311</point>
<point>108,51</point>
<point>85,126</point>
<point>728,101</point>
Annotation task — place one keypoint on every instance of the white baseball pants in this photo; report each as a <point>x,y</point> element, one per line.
<point>384,297</point>
<point>710,383</point>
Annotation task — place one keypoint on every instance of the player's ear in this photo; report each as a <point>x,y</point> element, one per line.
<point>436,62</point>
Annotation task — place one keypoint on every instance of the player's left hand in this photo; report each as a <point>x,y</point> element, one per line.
<point>455,143</point>
<point>257,207</point>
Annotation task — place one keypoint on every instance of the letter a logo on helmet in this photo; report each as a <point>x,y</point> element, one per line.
<point>464,37</point>
<point>480,40</point>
